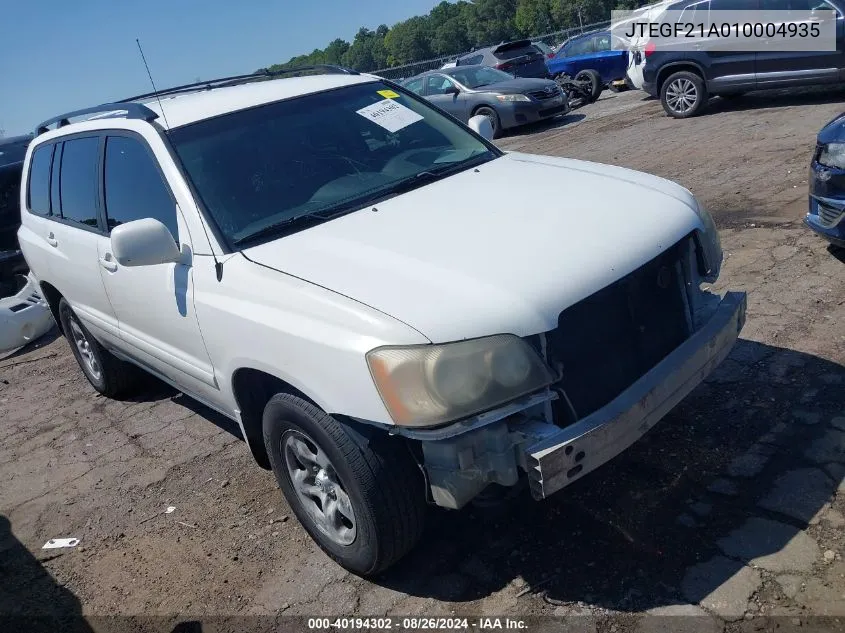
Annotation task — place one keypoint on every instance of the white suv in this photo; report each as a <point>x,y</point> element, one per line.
<point>393,310</point>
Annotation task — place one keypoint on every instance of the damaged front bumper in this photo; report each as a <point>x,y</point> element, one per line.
<point>24,316</point>
<point>560,459</point>
<point>464,458</point>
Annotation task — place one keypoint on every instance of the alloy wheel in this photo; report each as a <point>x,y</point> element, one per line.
<point>681,95</point>
<point>320,491</point>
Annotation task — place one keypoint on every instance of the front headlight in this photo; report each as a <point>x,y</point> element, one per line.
<point>512,98</point>
<point>833,155</point>
<point>426,385</point>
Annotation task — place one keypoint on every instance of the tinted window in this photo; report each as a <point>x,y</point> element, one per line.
<point>581,47</point>
<point>519,51</point>
<point>734,5</point>
<point>478,77</point>
<point>55,204</point>
<point>317,155</point>
<point>438,85</point>
<point>39,180</point>
<point>602,42</point>
<point>78,184</point>
<point>794,5</point>
<point>415,86</point>
<point>10,195</point>
<point>134,187</point>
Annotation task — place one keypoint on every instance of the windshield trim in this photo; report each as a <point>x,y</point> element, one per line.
<point>222,240</point>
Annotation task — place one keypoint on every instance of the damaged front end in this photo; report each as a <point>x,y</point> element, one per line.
<point>624,357</point>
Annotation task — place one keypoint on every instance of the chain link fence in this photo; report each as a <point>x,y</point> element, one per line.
<point>399,73</point>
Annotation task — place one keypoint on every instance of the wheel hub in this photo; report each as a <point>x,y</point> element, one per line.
<point>86,352</point>
<point>681,95</point>
<point>318,487</point>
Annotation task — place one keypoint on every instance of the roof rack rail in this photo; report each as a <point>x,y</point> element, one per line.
<point>262,74</point>
<point>132,110</point>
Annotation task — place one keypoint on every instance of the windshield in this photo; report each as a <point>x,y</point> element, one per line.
<point>265,171</point>
<point>481,76</point>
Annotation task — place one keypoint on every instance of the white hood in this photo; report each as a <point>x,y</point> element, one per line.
<point>504,247</point>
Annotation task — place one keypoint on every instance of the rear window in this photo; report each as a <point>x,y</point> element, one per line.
<point>38,194</point>
<point>10,192</point>
<point>512,53</point>
<point>78,187</point>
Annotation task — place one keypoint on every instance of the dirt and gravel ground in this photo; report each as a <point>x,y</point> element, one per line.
<point>728,513</point>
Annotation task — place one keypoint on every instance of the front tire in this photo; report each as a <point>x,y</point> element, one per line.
<point>109,375</point>
<point>594,78</point>
<point>361,500</point>
<point>683,95</point>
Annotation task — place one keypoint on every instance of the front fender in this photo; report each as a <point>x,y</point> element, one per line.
<point>312,338</point>
<point>558,67</point>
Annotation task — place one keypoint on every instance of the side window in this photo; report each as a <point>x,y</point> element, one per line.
<point>472,61</point>
<point>55,203</point>
<point>38,191</point>
<point>415,86</point>
<point>78,185</point>
<point>437,85</point>
<point>814,5</point>
<point>581,47</point>
<point>134,188</point>
<point>697,13</point>
<point>734,5</point>
<point>602,42</point>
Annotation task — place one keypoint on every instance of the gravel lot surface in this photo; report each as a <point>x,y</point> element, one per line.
<point>728,515</point>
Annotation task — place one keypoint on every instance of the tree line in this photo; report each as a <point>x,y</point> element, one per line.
<point>456,27</point>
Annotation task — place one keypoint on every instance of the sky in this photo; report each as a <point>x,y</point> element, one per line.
<point>59,56</point>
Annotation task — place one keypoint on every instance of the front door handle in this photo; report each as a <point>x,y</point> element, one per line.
<point>51,239</point>
<point>107,262</point>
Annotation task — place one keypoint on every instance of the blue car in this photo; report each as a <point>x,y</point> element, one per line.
<point>827,183</point>
<point>590,52</point>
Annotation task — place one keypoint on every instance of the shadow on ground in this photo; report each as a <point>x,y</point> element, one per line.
<point>624,537</point>
<point>543,126</point>
<point>30,598</point>
<point>781,98</point>
<point>155,390</point>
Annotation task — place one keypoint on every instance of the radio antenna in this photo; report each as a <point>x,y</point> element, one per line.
<point>150,75</point>
<point>218,265</point>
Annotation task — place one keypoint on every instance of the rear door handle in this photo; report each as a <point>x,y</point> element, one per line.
<point>51,239</point>
<point>108,263</point>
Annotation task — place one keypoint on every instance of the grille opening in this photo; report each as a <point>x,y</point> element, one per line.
<point>607,341</point>
<point>828,216</point>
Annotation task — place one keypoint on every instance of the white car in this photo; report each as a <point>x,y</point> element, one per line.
<point>638,47</point>
<point>393,310</point>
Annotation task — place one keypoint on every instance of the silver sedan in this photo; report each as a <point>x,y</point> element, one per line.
<point>508,101</point>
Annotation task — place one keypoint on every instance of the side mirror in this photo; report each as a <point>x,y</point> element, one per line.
<point>452,90</point>
<point>481,125</point>
<point>145,242</point>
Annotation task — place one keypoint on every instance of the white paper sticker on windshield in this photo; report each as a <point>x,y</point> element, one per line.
<point>390,115</point>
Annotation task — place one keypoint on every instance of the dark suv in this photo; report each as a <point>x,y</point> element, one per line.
<point>12,152</point>
<point>520,58</point>
<point>684,80</point>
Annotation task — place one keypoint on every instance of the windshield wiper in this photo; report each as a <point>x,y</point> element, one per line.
<point>298,222</point>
